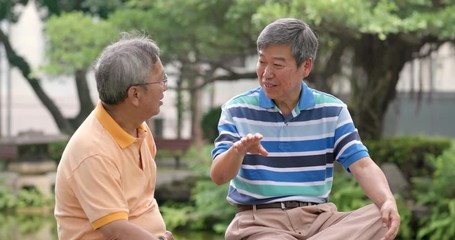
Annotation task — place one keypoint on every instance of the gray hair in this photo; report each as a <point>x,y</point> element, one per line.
<point>122,64</point>
<point>290,32</point>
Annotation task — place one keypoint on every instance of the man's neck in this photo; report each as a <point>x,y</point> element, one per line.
<point>123,118</point>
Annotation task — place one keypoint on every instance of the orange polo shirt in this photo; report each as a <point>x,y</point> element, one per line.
<point>100,179</point>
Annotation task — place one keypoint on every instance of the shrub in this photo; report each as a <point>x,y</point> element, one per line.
<point>56,150</point>
<point>209,124</point>
<point>208,209</point>
<point>438,195</point>
<point>408,153</point>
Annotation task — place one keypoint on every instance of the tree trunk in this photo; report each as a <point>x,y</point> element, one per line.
<point>196,113</point>
<point>377,67</point>
<point>179,101</point>
<point>195,106</point>
<point>85,101</point>
<point>328,66</point>
<point>15,60</point>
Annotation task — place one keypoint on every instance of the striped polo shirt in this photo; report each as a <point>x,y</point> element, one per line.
<point>302,146</point>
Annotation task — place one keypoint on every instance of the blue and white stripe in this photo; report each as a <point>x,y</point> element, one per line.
<point>302,149</point>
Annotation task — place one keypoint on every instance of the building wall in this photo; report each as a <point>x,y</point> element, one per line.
<point>428,114</point>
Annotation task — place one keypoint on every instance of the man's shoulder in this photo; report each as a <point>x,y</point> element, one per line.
<point>323,98</point>
<point>247,98</point>
<point>89,139</point>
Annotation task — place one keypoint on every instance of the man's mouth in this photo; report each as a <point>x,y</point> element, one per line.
<point>269,85</point>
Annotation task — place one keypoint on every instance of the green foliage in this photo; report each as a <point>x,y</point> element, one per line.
<point>371,38</point>
<point>74,41</point>
<point>200,158</point>
<point>24,199</point>
<point>3,166</point>
<point>32,198</point>
<point>56,150</point>
<point>209,124</point>
<point>208,209</point>
<point>6,226</point>
<point>346,193</point>
<point>7,9</point>
<point>220,30</point>
<point>408,152</point>
<point>406,232</point>
<point>176,215</point>
<point>217,213</point>
<point>29,224</point>
<point>438,194</point>
<point>20,226</point>
<point>7,200</point>
<point>382,18</point>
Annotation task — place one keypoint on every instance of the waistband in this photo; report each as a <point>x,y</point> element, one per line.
<point>281,205</point>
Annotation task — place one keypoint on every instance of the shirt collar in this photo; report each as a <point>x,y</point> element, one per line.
<point>122,138</point>
<point>306,99</point>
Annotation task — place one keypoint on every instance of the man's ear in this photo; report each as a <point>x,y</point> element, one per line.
<point>306,67</point>
<point>133,95</point>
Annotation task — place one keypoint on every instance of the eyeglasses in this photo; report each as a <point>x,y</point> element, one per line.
<point>162,82</point>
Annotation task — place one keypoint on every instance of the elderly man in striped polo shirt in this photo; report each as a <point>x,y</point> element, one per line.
<point>277,145</point>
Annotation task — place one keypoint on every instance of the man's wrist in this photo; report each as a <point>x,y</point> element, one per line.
<point>238,151</point>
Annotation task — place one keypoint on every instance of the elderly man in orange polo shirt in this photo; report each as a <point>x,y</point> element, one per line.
<point>106,178</point>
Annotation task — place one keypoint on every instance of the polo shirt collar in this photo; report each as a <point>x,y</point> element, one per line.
<point>306,99</point>
<point>122,138</point>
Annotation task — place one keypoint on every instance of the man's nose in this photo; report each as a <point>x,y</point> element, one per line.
<point>268,72</point>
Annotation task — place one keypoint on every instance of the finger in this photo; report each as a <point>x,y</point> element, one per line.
<point>169,235</point>
<point>239,147</point>
<point>263,151</point>
<point>385,215</point>
<point>393,229</point>
<point>249,136</point>
<point>390,234</point>
<point>258,136</point>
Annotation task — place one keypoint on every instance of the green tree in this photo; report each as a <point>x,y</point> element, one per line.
<point>10,14</point>
<point>199,46</point>
<point>367,41</point>
<point>74,42</point>
<point>374,39</point>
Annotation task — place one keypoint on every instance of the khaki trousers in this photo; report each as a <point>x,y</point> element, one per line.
<point>316,222</point>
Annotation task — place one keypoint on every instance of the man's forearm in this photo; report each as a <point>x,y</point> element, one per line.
<point>372,180</point>
<point>226,166</point>
<point>124,230</point>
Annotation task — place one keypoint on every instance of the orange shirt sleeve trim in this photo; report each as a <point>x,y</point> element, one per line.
<point>109,218</point>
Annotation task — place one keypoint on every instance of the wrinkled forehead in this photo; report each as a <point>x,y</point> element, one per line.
<point>276,52</point>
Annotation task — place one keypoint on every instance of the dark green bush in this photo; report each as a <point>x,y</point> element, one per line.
<point>437,194</point>
<point>56,150</point>
<point>209,124</point>
<point>208,208</point>
<point>408,153</point>
<point>25,198</point>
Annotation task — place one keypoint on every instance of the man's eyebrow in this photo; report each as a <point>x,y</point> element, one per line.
<point>280,59</point>
<point>283,59</point>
